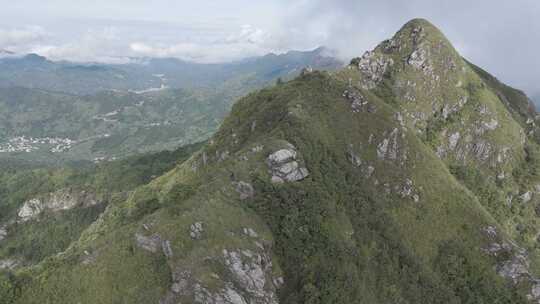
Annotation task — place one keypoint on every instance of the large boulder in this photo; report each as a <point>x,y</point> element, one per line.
<point>65,199</point>
<point>284,167</point>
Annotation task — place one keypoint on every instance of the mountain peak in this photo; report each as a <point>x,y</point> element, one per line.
<point>419,30</point>
<point>419,22</point>
<point>35,58</point>
<point>430,82</point>
<point>417,50</point>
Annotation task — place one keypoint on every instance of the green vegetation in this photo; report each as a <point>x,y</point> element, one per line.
<point>53,232</point>
<point>421,189</point>
<point>91,116</point>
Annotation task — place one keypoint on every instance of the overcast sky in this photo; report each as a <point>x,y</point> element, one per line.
<point>500,35</point>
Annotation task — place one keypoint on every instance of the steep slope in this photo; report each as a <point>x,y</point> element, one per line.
<point>44,209</point>
<point>350,187</point>
<point>477,125</point>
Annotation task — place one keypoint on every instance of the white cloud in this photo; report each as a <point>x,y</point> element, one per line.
<point>116,44</point>
<point>18,38</point>
<point>105,45</point>
<point>249,41</point>
<point>503,38</point>
<point>248,34</point>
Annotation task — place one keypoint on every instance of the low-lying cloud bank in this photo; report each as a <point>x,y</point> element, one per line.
<point>501,36</point>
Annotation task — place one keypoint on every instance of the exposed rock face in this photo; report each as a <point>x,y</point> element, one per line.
<point>250,232</point>
<point>284,167</point>
<point>526,197</point>
<point>8,264</point>
<point>420,57</point>
<point>222,156</point>
<point>417,58</point>
<point>167,249</point>
<point>30,209</point>
<point>481,150</point>
<point>149,243</point>
<point>382,148</point>
<point>514,269</point>
<point>482,127</point>
<point>373,67</point>
<point>407,190</point>
<point>249,279</point>
<point>154,244</point>
<point>369,171</point>
<point>516,264</point>
<point>389,147</point>
<point>182,286</point>
<point>244,189</point>
<point>226,296</point>
<point>257,148</point>
<point>502,156</point>
<point>417,34</point>
<point>358,102</point>
<point>3,232</point>
<point>89,257</point>
<point>449,109</point>
<point>196,230</point>
<point>491,125</point>
<point>282,156</point>
<point>353,157</point>
<point>453,140</point>
<point>56,201</point>
<point>535,292</point>
<point>249,270</point>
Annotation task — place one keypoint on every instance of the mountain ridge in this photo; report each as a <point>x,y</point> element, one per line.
<point>405,177</point>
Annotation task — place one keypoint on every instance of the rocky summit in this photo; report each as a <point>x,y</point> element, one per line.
<point>409,176</point>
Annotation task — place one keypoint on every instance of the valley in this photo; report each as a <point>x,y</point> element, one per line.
<point>63,126</point>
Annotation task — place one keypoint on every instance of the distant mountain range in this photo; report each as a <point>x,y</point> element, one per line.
<point>57,111</point>
<point>34,71</point>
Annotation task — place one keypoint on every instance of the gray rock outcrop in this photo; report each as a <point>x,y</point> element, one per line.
<point>196,230</point>
<point>284,167</point>
<point>526,197</point>
<point>250,232</point>
<point>150,243</point>
<point>248,279</point>
<point>56,201</point>
<point>3,232</point>
<point>250,270</point>
<point>358,102</point>
<point>417,58</point>
<point>244,189</point>
<point>9,264</point>
<point>515,265</point>
<point>373,67</point>
<point>389,146</point>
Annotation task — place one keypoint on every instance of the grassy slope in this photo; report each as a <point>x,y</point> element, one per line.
<point>336,235</point>
<point>35,240</point>
<point>513,148</point>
